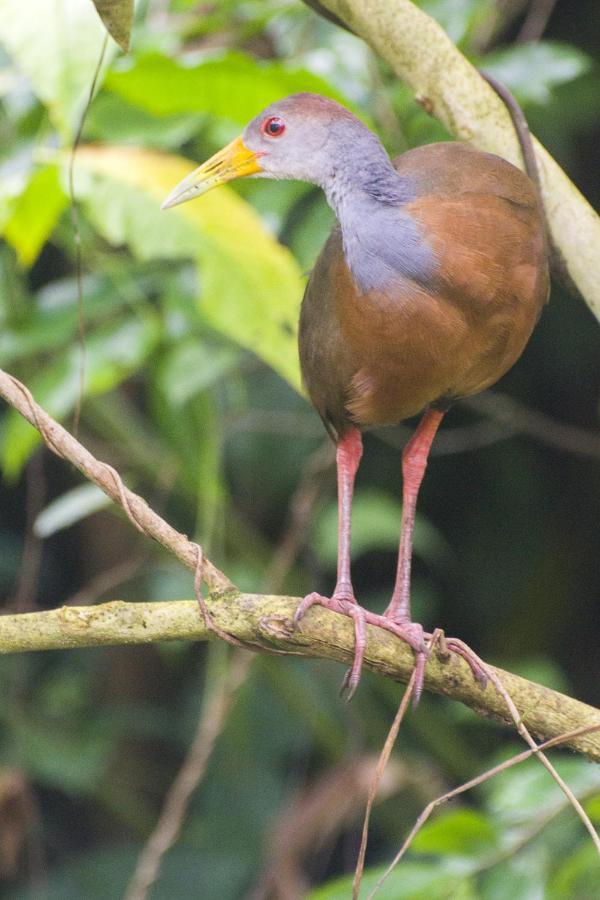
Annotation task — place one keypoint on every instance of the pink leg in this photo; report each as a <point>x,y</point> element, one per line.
<point>349,452</point>
<point>414,463</point>
<point>348,455</point>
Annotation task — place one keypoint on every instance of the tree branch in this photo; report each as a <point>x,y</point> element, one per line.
<point>260,621</point>
<point>447,85</point>
<point>108,480</point>
<point>264,621</point>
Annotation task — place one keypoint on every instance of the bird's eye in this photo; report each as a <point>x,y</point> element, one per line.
<point>273,126</point>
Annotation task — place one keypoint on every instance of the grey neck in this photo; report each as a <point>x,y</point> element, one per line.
<point>382,242</point>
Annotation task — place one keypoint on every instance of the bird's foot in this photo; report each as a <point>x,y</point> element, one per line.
<point>455,645</point>
<point>344,602</point>
<point>445,646</point>
<point>414,635</point>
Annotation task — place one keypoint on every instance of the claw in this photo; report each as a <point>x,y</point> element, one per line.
<point>312,599</point>
<point>352,676</point>
<point>346,605</point>
<point>410,632</point>
<point>420,663</point>
<point>461,649</point>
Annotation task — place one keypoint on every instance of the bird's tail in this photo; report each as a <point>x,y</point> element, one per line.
<point>529,156</point>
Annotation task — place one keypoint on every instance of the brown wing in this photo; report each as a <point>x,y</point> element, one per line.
<point>380,357</point>
<point>493,269</point>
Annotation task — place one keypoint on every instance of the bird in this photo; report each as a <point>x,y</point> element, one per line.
<point>426,291</point>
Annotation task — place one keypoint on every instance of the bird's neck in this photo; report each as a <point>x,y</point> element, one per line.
<point>382,242</point>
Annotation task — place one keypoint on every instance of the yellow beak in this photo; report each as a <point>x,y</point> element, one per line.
<point>233,161</point>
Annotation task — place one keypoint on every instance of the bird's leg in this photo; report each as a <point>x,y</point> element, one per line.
<point>349,452</point>
<point>348,455</point>
<point>397,617</point>
<point>414,463</point>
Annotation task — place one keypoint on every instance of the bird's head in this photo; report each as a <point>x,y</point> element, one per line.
<point>299,137</point>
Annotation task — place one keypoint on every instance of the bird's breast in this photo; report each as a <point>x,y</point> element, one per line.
<point>383,244</point>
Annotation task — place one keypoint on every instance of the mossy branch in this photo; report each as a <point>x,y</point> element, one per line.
<point>447,85</point>
<point>264,621</point>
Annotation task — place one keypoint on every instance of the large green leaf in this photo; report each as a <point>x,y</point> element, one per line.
<point>57,44</point>
<point>409,881</point>
<point>35,213</point>
<point>111,119</point>
<point>461,831</point>
<point>251,286</point>
<point>527,792</point>
<point>233,85</point>
<point>111,355</point>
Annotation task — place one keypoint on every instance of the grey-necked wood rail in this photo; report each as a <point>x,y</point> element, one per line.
<point>426,291</point>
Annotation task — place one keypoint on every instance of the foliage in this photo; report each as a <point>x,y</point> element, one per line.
<point>192,389</point>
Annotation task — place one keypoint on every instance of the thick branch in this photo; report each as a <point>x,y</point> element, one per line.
<point>264,622</point>
<point>256,620</point>
<point>421,53</point>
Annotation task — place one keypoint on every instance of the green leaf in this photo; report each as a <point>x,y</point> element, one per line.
<point>520,877</point>
<point>251,286</point>
<point>458,18</point>
<point>375,526</point>
<point>409,881</point>
<point>254,300</point>
<point>592,808</point>
<point>57,44</point>
<point>578,876</point>
<point>111,355</point>
<point>532,70</point>
<point>462,832</point>
<point>69,508</point>
<point>526,792</point>
<point>233,86</point>
<point>51,319</point>
<point>35,213</point>
<point>191,367</point>
<point>117,16</point>
<point>112,120</point>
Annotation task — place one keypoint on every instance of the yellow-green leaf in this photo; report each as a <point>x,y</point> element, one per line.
<point>35,213</point>
<point>250,286</point>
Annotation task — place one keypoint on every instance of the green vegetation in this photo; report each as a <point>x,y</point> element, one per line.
<point>192,391</point>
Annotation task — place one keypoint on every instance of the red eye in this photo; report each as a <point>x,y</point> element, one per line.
<point>274,126</point>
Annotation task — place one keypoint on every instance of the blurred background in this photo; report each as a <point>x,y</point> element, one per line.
<point>192,392</point>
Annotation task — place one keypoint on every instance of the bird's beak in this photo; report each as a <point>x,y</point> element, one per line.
<point>233,161</point>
